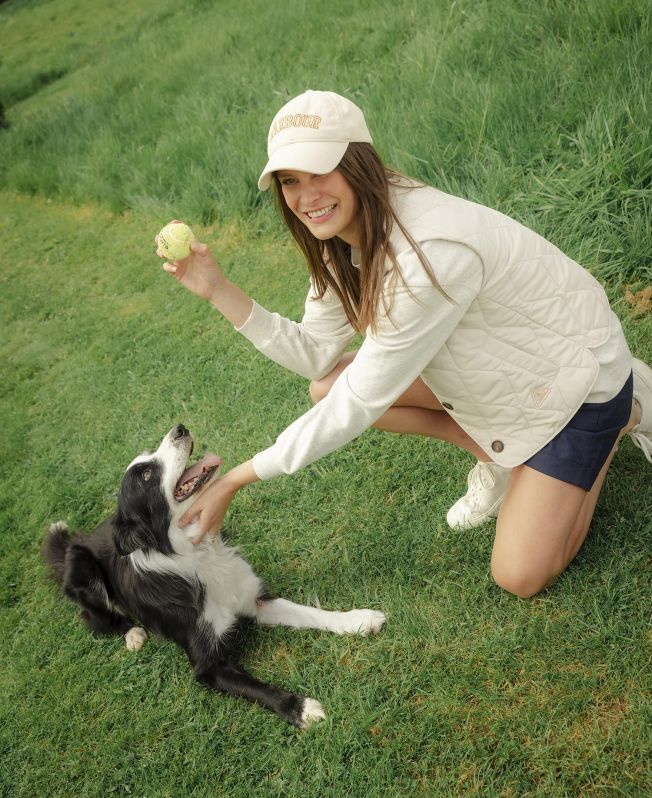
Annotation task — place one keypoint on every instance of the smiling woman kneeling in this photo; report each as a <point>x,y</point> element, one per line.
<point>477,331</point>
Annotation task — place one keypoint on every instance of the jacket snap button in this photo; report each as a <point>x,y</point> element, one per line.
<point>447,405</point>
<point>497,446</point>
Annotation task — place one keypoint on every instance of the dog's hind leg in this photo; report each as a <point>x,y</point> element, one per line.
<point>84,583</point>
<point>279,611</point>
<point>55,547</point>
<point>228,678</point>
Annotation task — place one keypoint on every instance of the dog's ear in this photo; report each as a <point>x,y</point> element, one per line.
<point>129,535</point>
<point>143,517</point>
<point>135,530</point>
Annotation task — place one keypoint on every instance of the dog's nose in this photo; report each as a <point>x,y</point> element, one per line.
<point>179,431</point>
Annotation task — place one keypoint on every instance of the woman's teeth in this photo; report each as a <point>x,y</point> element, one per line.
<point>320,212</point>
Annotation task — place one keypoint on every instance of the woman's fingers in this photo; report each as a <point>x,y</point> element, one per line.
<point>189,516</point>
<point>208,512</point>
<point>198,248</point>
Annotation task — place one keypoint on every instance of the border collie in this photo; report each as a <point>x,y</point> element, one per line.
<point>139,571</point>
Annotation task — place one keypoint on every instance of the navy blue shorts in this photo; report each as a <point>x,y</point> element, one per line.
<point>576,455</point>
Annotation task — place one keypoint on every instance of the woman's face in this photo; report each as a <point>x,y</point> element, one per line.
<point>326,204</point>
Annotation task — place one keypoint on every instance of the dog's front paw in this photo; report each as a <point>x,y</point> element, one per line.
<point>312,712</point>
<point>361,622</point>
<point>135,638</point>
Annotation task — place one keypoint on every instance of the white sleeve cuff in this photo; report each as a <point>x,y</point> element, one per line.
<point>259,326</point>
<point>265,466</point>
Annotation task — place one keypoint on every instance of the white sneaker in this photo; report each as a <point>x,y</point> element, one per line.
<point>641,434</point>
<point>487,485</point>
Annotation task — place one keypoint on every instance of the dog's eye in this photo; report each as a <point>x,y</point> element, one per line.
<point>146,475</point>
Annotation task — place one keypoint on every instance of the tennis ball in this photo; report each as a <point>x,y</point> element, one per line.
<point>174,240</point>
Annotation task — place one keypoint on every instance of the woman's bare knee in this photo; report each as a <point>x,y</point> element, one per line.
<point>521,579</point>
<point>318,390</point>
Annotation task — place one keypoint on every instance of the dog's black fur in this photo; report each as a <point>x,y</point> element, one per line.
<point>138,565</point>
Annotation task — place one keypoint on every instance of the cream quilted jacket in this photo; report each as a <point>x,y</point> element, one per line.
<point>511,358</point>
<point>520,362</point>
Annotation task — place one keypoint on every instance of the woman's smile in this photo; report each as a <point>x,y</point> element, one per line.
<point>321,213</point>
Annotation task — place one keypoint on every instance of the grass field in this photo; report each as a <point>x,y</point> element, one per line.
<point>118,116</point>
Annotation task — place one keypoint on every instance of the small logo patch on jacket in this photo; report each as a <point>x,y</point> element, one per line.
<point>539,395</point>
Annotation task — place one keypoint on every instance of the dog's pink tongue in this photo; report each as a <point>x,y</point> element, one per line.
<point>196,469</point>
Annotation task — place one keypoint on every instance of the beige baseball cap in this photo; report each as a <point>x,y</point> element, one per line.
<point>311,133</point>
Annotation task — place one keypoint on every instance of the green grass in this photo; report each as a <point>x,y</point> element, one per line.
<point>540,109</point>
<point>123,115</point>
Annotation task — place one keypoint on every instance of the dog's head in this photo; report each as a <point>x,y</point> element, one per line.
<point>152,490</point>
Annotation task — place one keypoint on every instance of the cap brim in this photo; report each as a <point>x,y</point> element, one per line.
<point>314,157</point>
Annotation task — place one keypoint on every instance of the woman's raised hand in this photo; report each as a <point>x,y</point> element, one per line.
<point>198,272</point>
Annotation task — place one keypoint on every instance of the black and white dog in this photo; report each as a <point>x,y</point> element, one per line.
<point>139,569</point>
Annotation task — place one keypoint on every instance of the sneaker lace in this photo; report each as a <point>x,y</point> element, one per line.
<point>480,480</point>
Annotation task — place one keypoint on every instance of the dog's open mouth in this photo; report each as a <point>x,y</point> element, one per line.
<point>197,475</point>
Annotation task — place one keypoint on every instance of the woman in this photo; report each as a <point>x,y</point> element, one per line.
<point>477,332</point>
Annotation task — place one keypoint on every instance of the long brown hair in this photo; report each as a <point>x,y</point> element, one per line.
<point>359,289</point>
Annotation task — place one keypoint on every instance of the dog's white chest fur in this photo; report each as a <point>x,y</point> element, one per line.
<point>230,585</point>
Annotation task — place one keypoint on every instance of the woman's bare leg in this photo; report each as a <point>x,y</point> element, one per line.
<point>415,412</point>
<point>543,521</point>
<point>542,524</point>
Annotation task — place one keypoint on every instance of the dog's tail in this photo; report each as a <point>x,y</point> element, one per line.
<point>54,548</point>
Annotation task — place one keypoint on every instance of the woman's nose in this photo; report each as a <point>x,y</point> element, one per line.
<point>310,192</point>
